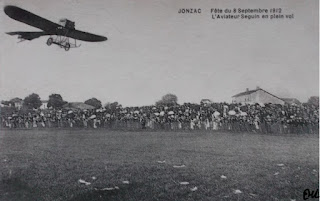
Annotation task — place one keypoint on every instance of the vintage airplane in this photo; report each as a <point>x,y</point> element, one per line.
<point>59,33</point>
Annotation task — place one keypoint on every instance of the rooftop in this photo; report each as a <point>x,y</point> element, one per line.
<point>78,105</point>
<point>246,93</point>
<point>16,100</point>
<point>252,91</point>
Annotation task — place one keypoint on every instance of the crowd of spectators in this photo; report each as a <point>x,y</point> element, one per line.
<point>268,118</point>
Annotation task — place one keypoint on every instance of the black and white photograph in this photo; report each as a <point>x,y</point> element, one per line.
<point>119,100</point>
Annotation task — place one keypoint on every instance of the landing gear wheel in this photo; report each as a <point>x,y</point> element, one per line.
<point>67,47</point>
<point>49,41</point>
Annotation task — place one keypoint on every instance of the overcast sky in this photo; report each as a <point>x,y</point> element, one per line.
<point>152,50</point>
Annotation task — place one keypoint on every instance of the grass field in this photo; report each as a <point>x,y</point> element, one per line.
<point>47,165</point>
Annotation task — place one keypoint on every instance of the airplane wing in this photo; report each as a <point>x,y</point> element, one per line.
<point>47,26</point>
<point>31,19</point>
<point>80,35</point>
<point>28,35</point>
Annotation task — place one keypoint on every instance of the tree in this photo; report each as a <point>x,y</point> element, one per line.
<point>314,100</point>
<point>32,101</point>
<point>56,101</point>
<point>94,102</point>
<point>168,99</point>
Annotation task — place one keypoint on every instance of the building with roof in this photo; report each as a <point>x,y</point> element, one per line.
<point>205,102</point>
<point>44,104</point>
<point>257,95</point>
<point>17,103</point>
<point>77,106</point>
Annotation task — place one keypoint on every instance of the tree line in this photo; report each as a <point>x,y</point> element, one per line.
<point>55,101</point>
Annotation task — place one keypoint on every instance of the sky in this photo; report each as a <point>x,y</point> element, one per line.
<point>153,50</point>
